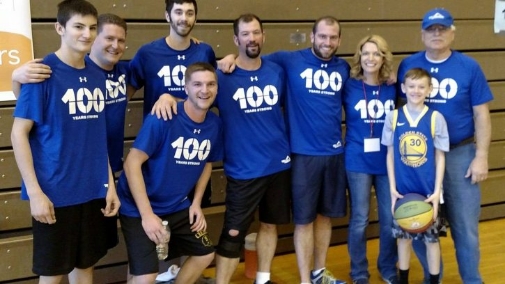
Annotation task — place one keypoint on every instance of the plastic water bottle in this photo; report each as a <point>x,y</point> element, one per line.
<point>162,248</point>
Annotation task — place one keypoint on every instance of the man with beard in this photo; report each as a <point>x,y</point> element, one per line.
<point>314,110</point>
<point>159,66</point>
<point>256,162</point>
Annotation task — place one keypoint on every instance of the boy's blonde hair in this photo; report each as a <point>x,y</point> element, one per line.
<point>417,73</point>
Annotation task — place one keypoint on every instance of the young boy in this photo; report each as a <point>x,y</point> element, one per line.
<point>59,140</point>
<point>169,159</point>
<point>417,138</point>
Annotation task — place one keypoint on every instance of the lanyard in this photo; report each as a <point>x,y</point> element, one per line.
<point>366,104</point>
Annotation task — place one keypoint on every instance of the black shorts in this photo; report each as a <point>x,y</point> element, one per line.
<point>78,239</point>
<point>141,250</point>
<point>271,193</point>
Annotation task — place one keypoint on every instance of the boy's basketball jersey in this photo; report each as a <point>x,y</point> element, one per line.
<point>160,69</point>
<point>68,139</point>
<point>249,102</point>
<point>414,151</point>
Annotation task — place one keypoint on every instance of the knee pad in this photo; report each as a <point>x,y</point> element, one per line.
<point>230,246</point>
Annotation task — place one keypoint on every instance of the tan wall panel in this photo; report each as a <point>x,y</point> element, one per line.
<point>134,118</point>
<point>498,126</point>
<point>498,89</point>
<point>283,36</point>
<point>9,173</point>
<point>497,156</point>
<point>280,10</point>
<point>6,121</point>
<point>14,212</point>
<point>15,258</point>
<point>489,188</point>
<point>218,186</point>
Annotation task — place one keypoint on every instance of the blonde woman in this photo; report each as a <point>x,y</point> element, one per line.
<point>367,98</point>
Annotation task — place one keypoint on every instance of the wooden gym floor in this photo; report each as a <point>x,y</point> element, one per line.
<point>492,244</point>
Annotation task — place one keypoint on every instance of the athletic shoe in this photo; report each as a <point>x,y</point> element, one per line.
<point>392,280</point>
<point>361,281</point>
<point>427,281</point>
<point>325,277</point>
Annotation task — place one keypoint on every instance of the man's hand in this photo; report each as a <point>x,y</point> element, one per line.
<point>197,219</point>
<point>112,203</point>
<point>395,195</point>
<point>434,199</point>
<point>31,72</point>
<point>42,208</point>
<point>165,106</point>
<point>477,170</point>
<point>227,64</point>
<point>153,228</point>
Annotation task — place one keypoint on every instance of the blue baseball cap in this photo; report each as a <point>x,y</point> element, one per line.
<point>437,16</point>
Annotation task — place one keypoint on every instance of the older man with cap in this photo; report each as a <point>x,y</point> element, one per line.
<point>461,94</point>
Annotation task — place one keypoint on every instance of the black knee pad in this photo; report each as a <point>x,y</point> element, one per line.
<point>230,246</point>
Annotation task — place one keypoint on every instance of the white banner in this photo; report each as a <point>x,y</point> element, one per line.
<point>16,44</point>
<point>499,17</point>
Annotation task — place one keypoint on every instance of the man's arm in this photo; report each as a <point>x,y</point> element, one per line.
<point>41,207</point>
<point>390,163</point>
<point>478,168</point>
<point>227,63</point>
<point>112,200</point>
<point>31,72</point>
<point>165,106</point>
<point>133,170</point>
<point>196,217</point>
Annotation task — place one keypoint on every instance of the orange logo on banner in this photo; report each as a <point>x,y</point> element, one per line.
<point>15,50</point>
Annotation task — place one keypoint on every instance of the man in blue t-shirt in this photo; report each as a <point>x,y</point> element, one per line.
<point>461,94</point>
<point>106,51</point>
<point>59,140</point>
<point>168,159</point>
<point>256,161</point>
<point>315,79</point>
<point>159,66</point>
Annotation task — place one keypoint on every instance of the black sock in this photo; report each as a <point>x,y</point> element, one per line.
<point>404,276</point>
<point>434,278</point>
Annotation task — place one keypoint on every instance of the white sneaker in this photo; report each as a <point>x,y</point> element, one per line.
<point>170,274</point>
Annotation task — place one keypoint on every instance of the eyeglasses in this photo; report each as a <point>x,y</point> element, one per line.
<point>435,28</point>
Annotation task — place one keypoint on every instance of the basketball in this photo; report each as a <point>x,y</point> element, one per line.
<point>413,214</point>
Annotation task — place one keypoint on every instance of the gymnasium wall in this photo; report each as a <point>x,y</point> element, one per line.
<point>287,25</point>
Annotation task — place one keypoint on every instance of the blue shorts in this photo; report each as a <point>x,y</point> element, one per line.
<point>78,239</point>
<point>318,186</point>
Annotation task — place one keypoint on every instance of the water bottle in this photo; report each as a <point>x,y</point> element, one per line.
<point>162,248</point>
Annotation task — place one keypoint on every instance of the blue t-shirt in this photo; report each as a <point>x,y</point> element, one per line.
<point>366,108</point>
<point>160,69</point>
<point>255,138</point>
<point>115,108</point>
<point>458,85</point>
<point>314,101</point>
<point>178,150</point>
<point>68,139</point>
